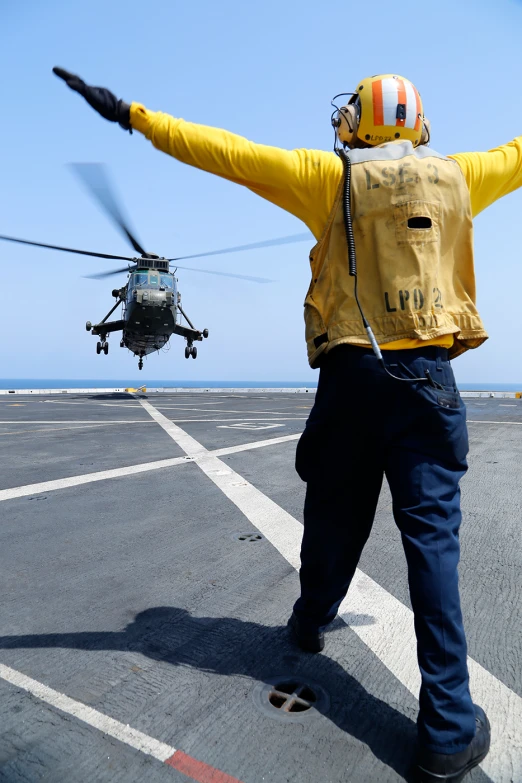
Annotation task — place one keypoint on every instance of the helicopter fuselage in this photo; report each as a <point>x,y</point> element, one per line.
<point>150,310</point>
<point>151,303</point>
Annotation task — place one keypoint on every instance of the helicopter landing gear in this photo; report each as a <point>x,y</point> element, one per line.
<point>102,345</point>
<point>191,350</point>
<point>140,364</point>
<point>205,333</point>
<point>122,343</point>
<point>98,348</point>
<point>88,326</point>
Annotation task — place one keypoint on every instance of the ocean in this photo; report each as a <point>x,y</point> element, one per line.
<point>90,383</point>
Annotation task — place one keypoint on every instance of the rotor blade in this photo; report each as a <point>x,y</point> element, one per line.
<point>102,275</point>
<point>226,274</point>
<point>253,246</point>
<point>95,179</point>
<point>67,249</point>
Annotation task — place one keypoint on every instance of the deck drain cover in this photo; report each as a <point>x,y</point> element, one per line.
<point>290,698</point>
<point>249,537</point>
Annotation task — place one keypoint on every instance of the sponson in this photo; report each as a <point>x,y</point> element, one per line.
<point>414,236</point>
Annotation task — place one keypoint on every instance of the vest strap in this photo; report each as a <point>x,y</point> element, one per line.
<point>323,338</point>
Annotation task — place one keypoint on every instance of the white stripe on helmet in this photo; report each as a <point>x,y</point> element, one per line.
<point>411,105</point>
<point>390,98</point>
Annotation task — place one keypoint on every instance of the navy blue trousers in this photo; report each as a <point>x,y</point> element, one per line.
<point>365,425</point>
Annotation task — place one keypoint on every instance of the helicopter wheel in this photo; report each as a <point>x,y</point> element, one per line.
<point>98,348</point>
<point>205,332</point>
<point>140,364</point>
<point>106,348</point>
<point>88,326</point>
<point>194,351</point>
<point>188,351</point>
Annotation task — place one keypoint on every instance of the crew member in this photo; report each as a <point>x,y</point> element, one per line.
<point>392,271</point>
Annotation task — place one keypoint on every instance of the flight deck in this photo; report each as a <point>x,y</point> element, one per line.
<point>149,547</point>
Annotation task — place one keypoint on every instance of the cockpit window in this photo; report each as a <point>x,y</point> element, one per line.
<point>153,280</point>
<point>139,278</point>
<point>166,282</point>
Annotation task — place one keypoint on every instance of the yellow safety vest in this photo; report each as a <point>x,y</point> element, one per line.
<point>413,233</point>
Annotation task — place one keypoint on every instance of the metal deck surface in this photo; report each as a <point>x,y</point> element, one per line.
<point>139,630</point>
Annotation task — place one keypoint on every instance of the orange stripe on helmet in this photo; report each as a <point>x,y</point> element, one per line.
<point>378,106</point>
<point>401,98</point>
<point>418,121</point>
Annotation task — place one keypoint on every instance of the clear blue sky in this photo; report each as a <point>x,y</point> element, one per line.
<point>267,71</point>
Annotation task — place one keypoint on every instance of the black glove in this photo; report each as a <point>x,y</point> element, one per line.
<point>101,99</point>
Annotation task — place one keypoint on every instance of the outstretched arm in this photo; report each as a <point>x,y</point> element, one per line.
<point>491,175</point>
<point>303,182</point>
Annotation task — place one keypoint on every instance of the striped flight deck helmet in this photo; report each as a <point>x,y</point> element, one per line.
<point>384,108</point>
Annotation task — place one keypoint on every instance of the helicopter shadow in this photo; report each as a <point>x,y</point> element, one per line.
<point>109,396</point>
<point>228,646</point>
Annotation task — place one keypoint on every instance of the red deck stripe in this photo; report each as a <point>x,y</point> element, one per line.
<point>198,770</point>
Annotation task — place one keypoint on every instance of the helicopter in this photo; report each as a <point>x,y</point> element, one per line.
<point>151,310</point>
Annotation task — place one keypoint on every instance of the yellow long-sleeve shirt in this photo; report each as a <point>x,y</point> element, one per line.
<point>304,182</point>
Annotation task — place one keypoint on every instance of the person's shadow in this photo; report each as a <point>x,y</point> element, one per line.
<point>228,646</point>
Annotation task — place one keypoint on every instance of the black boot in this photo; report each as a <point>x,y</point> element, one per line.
<point>308,641</point>
<point>437,767</point>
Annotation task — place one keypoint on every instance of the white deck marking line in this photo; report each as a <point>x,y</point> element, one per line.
<point>78,421</point>
<point>188,401</point>
<point>167,754</point>
<point>93,402</point>
<point>220,411</point>
<point>131,470</point>
<point>252,426</point>
<point>87,478</point>
<point>189,445</point>
<point>133,737</point>
<point>244,419</point>
<point>69,402</point>
<point>165,400</point>
<point>147,421</point>
<point>483,421</point>
<point>392,637</point>
<point>56,429</point>
<point>259,444</point>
